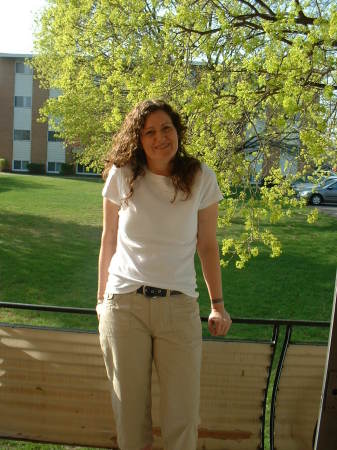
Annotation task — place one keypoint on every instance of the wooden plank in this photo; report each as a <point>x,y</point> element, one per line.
<point>19,364</point>
<point>298,397</point>
<point>57,414</point>
<point>38,334</point>
<point>52,396</point>
<point>51,346</point>
<point>34,379</point>
<point>53,357</point>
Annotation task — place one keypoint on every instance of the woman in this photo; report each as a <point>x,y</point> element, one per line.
<point>160,205</point>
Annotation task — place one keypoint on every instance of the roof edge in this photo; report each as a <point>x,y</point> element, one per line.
<point>16,55</point>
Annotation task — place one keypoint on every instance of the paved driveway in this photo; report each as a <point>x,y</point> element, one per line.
<point>330,210</point>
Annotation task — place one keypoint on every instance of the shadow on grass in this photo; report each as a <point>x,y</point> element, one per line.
<point>20,182</point>
<point>81,178</point>
<point>16,181</point>
<point>44,261</point>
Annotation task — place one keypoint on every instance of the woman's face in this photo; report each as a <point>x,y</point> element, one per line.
<point>159,139</point>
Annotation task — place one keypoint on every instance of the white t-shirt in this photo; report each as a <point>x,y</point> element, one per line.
<point>156,240</point>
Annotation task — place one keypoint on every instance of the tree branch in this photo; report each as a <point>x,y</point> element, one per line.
<point>259,2</point>
<point>255,26</point>
<point>301,14</point>
<point>321,85</point>
<point>201,32</point>
<point>301,19</point>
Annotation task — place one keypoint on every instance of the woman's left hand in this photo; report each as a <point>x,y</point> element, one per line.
<point>219,322</point>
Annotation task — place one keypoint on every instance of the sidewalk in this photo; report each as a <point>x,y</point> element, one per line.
<point>331,210</point>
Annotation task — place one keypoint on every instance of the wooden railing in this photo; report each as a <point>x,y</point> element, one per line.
<point>53,387</point>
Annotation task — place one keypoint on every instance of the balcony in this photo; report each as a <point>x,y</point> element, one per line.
<point>257,394</point>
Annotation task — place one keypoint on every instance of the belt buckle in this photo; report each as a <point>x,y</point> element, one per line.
<point>153,292</point>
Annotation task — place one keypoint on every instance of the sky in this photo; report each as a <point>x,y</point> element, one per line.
<point>17,24</point>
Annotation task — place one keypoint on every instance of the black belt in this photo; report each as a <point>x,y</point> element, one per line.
<point>150,291</point>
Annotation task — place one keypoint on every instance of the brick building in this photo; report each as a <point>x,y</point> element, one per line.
<point>22,139</point>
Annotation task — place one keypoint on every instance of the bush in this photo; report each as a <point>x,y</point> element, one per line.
<point>67,169</point>
<point>3,164</point>
<point>36,168</point>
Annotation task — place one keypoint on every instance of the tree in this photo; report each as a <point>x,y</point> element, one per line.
<point>254,79</point>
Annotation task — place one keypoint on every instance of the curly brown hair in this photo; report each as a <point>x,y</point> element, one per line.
<point>127,149</point>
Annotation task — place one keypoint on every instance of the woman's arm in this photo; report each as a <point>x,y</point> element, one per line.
<point>219,320</point>
<point>108,244</point>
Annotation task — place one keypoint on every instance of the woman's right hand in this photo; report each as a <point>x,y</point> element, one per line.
<point>99,307</point>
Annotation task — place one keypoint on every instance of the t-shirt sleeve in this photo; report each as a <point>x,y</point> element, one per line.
<point>111,188</point>
<point>210,191</point>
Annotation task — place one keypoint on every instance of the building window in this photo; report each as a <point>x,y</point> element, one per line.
<point>23,102</point>
<point>54,166</point>
<point>20,165</point>
<point>21,135</point>
<point>21,67</point>
<point>52,137</point>
<point>17,165</point>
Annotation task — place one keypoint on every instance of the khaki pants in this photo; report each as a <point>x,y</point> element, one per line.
<point>134,331</point>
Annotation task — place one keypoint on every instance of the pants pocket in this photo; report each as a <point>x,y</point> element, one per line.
<point>186,316</point>
<point>115,317</point>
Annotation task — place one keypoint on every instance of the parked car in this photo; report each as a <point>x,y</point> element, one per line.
<point>308,182</point>
<point>325,192</point>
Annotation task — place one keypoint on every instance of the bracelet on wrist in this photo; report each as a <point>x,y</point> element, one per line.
<point>100,300</point>
<point>214,301</point>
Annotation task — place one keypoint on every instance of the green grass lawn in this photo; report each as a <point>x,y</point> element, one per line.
<point>49,239</point>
